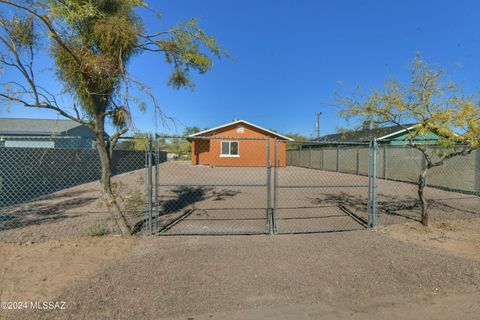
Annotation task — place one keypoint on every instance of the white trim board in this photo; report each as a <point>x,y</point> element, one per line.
<point>396,132</point>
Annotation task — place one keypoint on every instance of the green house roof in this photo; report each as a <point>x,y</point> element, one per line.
<point>365,135</point>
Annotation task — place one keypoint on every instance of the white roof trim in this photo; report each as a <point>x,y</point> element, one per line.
<point>237,122</point>
<point>396,132</point>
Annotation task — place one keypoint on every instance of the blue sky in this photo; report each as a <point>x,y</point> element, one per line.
<point>291,55</point>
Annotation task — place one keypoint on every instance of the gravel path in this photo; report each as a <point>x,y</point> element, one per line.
<point>188,276</point>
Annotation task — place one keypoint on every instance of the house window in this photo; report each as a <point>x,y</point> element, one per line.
<point>240,129</point>
<point>229,149</point>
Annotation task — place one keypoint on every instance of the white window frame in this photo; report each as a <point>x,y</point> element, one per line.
<point>229,149</point>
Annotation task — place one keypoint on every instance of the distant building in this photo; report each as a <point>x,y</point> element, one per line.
<point>394,135</point>
<point>237,144</point>
<point>44,133</point>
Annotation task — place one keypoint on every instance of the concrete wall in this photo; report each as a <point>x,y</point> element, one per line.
<point>393,163</point>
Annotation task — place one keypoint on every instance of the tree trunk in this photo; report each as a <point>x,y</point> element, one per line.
<point>422,181</point>
<point>106,186</point>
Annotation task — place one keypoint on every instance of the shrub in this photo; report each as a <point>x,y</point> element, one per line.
<point>97,230</point>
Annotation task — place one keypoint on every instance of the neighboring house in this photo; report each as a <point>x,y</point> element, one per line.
<point>228,145</point>
<point>44,133</point>
<point>394,135</point>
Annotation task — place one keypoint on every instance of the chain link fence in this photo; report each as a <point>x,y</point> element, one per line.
<point>49,187</point>
<point>452,192</point>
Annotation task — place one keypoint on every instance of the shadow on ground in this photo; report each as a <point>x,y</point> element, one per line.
<point>45,212</point>
<point>183,198</point>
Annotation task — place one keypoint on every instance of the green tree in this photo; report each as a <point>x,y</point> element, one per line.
<point>297,137</point>
<point>138,142</point>
<point>91,43</point>
<point>185,146</point>
<point>437,105</point>
<point>190,130</point>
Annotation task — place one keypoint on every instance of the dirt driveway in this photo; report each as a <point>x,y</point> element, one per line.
<point>349,275</point>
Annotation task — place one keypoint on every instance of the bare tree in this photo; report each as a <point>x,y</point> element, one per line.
<point>90,43</point>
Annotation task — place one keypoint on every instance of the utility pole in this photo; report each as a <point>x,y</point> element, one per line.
<point>318,125</point>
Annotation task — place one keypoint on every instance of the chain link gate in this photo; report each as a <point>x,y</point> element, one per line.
<point>315,194</point>
<point>208,198</point>
<point>188,198</point>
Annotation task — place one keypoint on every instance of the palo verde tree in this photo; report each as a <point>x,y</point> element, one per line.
<point>90,43</point>
<point>436,106</point>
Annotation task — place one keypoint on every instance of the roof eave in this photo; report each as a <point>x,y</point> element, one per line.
<point>395,133</point>
<point>237,122</point>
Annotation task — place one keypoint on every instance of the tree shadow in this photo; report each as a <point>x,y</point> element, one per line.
<point>183,197</point>
<point>350,204</point>
<point>38,213</point>
<point>186,196</point>
<point>357,205</point>
<point>406,208</point>
<point>182,203</point>
<point>436,207</point>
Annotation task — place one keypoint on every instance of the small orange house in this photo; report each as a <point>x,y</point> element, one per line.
<point>237,144</point>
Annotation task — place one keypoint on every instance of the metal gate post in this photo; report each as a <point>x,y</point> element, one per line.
<point>369,197</point>
<point>268,195</point>
<point>375,183</point>
<point>149,185</point>
<point>157,188</point>
<point>372,185</point>
<point>275,188</point>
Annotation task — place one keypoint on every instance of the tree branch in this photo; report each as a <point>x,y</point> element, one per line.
<point>114,139</point>
<point>49,107</point>
<point>48,24</point>
<point>466,151</point>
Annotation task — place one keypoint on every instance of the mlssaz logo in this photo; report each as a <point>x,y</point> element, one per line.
<point>48,305</point>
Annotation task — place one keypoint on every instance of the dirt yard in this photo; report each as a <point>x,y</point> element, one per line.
<point>398,272</point>
<point>36,271</point>
<point>460,237</point>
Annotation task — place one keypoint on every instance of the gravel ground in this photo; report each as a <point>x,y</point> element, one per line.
<point>188,276</point>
